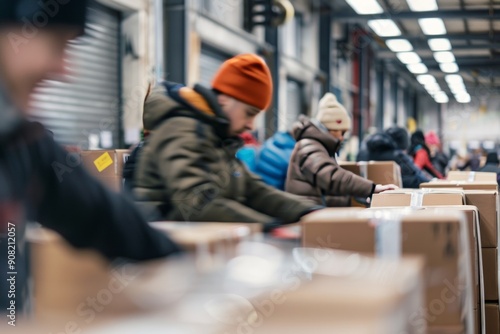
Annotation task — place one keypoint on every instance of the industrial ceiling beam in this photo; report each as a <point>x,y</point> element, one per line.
<point>351,16</point>
<point>483,36</point>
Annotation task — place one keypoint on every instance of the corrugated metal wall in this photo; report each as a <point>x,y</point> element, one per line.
<point>88,104</point>
<point>210,61</point>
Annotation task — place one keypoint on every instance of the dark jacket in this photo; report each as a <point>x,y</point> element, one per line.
<point>41,182</point>
<point>314,172</point>
<point>421,154</point>
<point>440,161</point>
<point>382,147</point>
<point>274,158</point>
<point>492,165</point>
<point>188,170</point>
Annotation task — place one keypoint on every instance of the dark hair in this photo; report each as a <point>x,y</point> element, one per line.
<point>417,139</point>
<point>400,136</point>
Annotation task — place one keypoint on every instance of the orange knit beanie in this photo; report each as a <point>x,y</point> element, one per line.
<point>246,78</point>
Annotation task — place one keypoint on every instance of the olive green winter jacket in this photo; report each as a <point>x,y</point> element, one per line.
<point>188,169</point>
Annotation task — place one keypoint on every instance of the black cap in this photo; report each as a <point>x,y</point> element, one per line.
<point>38,14</point>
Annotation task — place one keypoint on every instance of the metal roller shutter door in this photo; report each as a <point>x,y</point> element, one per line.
<point>294,105</point>
<point>89,102</point>
<point>210,61</point>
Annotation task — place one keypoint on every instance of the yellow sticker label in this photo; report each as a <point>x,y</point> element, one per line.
<point>103,162</point>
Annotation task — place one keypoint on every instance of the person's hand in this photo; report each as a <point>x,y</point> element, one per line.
<point>381,188</point>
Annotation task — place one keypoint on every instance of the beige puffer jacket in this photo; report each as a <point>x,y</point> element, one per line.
<point>314,172</point>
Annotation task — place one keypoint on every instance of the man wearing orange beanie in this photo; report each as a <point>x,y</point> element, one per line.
<point>188,169</point>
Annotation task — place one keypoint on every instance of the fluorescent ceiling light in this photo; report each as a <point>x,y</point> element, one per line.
<point>384,28</point>
<point>453,79</point>
<point>417,68</point>
<point>432,86</point>
<point>449,67</point>
<point>441,97</point>
<point>463,98</point>
<point>424,79</point>
<point>444,57</point>
<point>439,44</point>
<point>422,5</point>
<point>365,7</point>
<point>432,26</point>
<point>399,45</point>
<point>409,57</point>
<point>458,89</point>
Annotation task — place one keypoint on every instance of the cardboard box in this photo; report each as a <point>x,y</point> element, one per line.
<point>492,319</point>
<point>345,294</point>
<point>440,237</point>
<point>218,239</point>
<point>487,204</point>
<point>64,278</point>
<point>472,216</point>
<point>380,172</point>
<point>417,198</point>
<point>106,166</point>
<point>461,184</point>
<point>490,267</point>
<point>105,163</point>
<point>471,176</point>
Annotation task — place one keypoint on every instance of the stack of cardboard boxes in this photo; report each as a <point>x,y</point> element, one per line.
<point>484,195</point>
<point>440,237</point>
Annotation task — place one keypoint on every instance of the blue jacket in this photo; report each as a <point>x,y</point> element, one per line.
<point>248,155</point>
<point>273,159</point>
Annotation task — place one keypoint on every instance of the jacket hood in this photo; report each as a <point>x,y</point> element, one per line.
<point>170,99</point>
<point>381,142</point>
<point>305,128</point>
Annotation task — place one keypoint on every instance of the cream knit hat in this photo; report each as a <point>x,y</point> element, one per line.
<point>332,114</point>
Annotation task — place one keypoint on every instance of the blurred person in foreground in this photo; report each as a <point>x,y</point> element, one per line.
<point>391,145</point>
<point>188,169</point>
<point>422,155</point>
<point>36,183</point>
<point>314,172</point>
